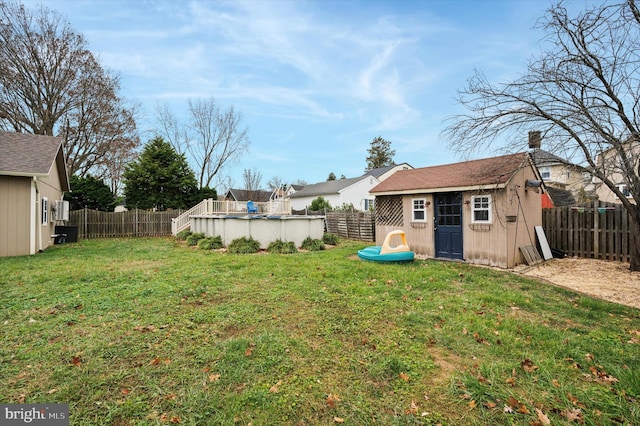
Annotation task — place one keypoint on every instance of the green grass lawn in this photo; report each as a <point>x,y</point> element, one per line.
<point>150,331</point>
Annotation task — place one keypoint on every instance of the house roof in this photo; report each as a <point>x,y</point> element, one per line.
<point>335,186</point>
<point>31,155</point>
<point>257,195</point>
<point>495,171</point>
<point>328,187</point>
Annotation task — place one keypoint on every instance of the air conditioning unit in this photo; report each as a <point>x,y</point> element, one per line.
<point>60,210</point>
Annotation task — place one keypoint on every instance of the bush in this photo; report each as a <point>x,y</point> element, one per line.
<point>193,239</point>
<point>331,239</point>
<point>182,235</point>
<point>210,243</point>
<point>282,247</point>
<point>244,245</point>
<point>312,245</point>
<point>320,204</point>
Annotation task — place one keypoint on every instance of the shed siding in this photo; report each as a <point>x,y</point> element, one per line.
<point>15,216</point>
<point>49,187</point>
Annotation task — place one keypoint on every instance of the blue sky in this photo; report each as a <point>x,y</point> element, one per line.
<point>316,81</point>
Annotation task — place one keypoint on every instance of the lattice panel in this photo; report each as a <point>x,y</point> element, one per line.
<point>389,211</point>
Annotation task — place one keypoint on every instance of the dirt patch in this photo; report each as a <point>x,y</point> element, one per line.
<point>611,281</point>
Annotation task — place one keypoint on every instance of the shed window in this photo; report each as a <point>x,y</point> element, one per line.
<point>45,210</point>
<point>481,208</point>
<point>419,210</point>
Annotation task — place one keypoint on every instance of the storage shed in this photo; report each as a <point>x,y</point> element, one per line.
<point>481,211</point>
<point>33,179</point>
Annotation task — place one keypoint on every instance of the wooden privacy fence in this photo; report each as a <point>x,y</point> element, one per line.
<point>133,223</point>
<point>594,230</point>
<point>351,225</point>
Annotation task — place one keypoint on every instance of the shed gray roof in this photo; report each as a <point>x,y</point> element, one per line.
<point>27,155</point>
<point>32,155</point>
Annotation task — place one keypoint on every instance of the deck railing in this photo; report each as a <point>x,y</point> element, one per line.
<point>211,206</point>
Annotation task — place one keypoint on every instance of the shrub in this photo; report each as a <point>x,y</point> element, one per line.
<point>210,243</point>
<point>182,235</point>
<point>193,239</point>
<point>282,247</point>
<point>312,245</point>
<point>320,204</point>
<point>331,239</point>
<point>244,245</point>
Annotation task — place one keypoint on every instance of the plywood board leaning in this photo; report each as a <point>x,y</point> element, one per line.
<point>544,244</point>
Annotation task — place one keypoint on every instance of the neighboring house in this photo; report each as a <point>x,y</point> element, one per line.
<point>33,176</point>
<point>292,189</point>
<point>611,160</point>
<point>339,192</point>
<point>480,211</point>
<point>569,180</point>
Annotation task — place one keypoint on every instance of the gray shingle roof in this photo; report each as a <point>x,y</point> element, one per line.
<point>328,187</point>
<point>27,155</point>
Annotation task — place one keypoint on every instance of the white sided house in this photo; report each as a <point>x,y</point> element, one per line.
<point>339,192</point>
<point>33,179</point>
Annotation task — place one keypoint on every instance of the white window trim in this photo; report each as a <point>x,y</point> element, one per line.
<point>623,188</point>
<point>44,211</point>
<point>414,210</point>
<point>474,209</point>
<point>545,170</point>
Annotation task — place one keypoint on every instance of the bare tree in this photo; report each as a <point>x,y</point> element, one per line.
<point>212,138</point>
<point>583,93</point>
<point>276,182</point>
<point>252,181</point>
<point>171,129</point>
<point>51,84</point>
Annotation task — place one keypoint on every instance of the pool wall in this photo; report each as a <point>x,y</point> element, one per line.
<point>264,229</point>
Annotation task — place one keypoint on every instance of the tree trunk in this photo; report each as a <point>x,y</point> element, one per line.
<point>634,264</point>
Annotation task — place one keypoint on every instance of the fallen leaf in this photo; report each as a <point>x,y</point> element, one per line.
<point>482,379</point>
<point>472,404</point>
<point>490,404</point>
<point>542,417</point>
<point>404,377</point>
<point>507,409</point>
<point>413,408</point>
<point>155,361</point>
<point>52,391</point>
<point>175,419</point>
<point>214,377</point>
<point>276,388</point>
<point>574,414</point>
<point>332,400</point>
<point>480,339</point>
<point>76,360</point>
<point>249,350</point>
<point>338,420</point>
<point>589,357</point>
<point>511,381</point>
<point>555,383</point>
<point>528,366</point>
<point>125,391</point>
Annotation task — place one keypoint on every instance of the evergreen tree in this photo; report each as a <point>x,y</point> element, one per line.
<point>91,193</point>
<point>320,204</point>
<point>160,179</point>
<point>380,154</point>
<point>331,176</point>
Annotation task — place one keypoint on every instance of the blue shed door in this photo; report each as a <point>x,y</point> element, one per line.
<point>448,225</point>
